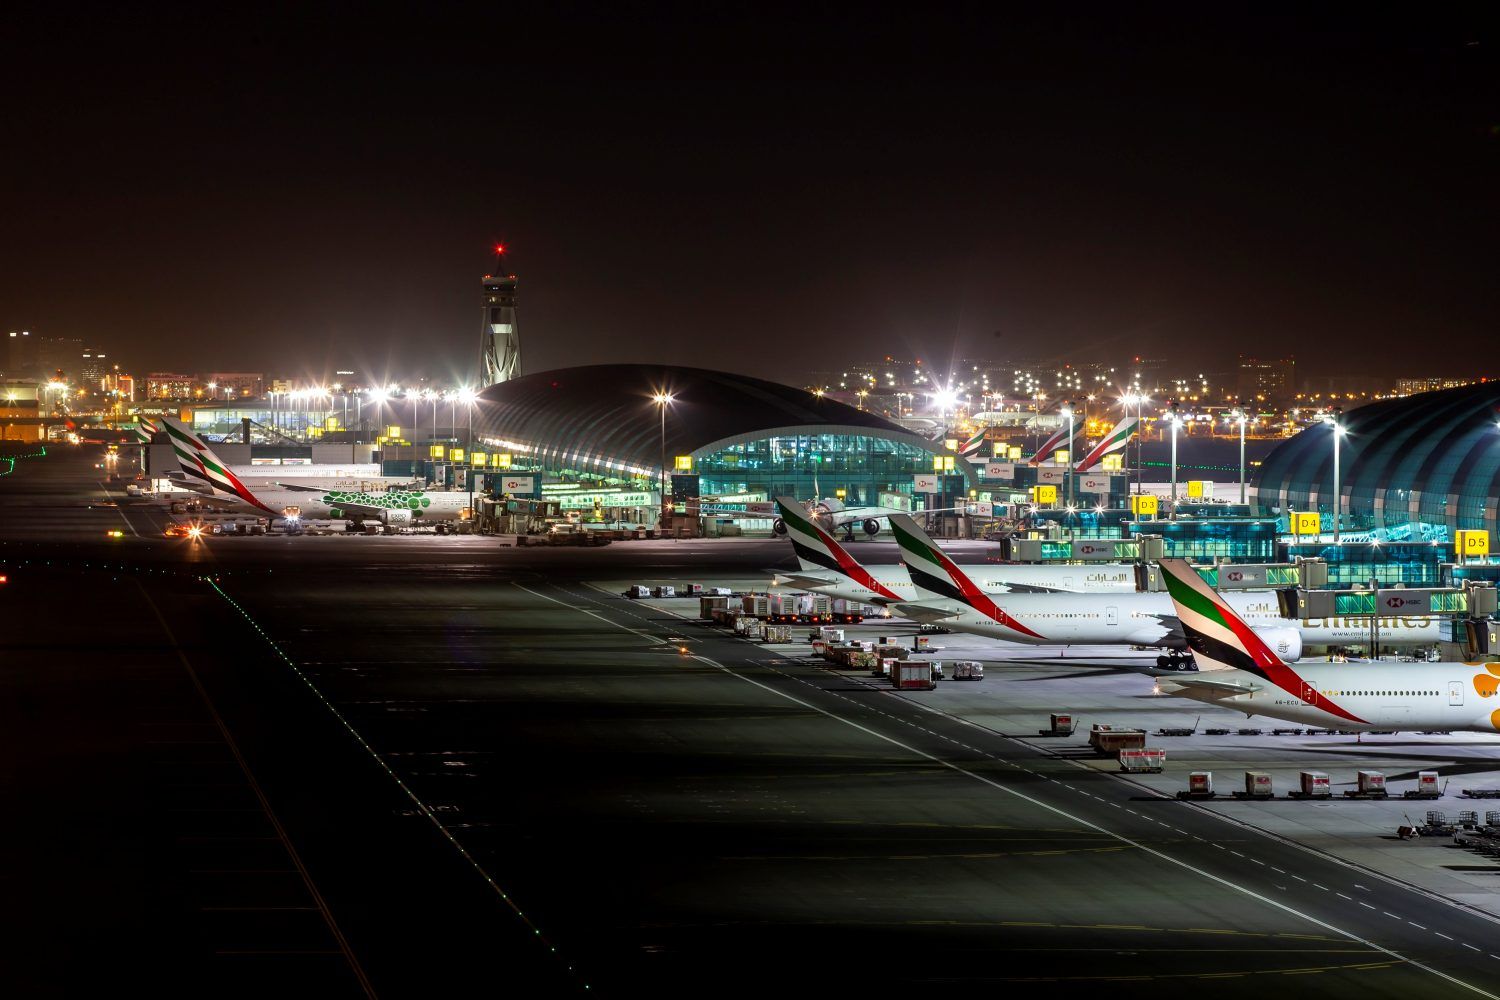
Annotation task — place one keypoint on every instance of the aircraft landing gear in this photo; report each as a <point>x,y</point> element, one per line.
<point>1176,659</point>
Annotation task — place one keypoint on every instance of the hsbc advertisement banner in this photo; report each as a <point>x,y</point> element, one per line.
<point>980,508</point>
<point>1102,549</point>
<point>1003,472</point>
<point>1051,474</point>
<point>1093,482</point>
<point>518,486</point>
<point>924,484</point>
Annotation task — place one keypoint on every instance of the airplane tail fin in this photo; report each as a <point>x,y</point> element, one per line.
<point>199,462</point>
<point>1218,637</point>
<point>145,429</point>
<point>935,575</point>
<point>816,548</point>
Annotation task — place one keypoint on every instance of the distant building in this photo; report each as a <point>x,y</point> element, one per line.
<point>93,366</point>
<point>1266,380</point>
<point>20,406</point>
<point>169,385</point>
<point>1412,386</point>
<point>233,385</point>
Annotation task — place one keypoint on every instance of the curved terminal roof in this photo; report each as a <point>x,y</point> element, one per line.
<point>603,416</point>
<point>1418,464</point>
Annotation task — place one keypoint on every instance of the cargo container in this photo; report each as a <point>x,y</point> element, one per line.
<point>758,605</point>
<point>1427,784</point>
<point>1315,785</point>
<point>913,675</point>
<point>864,661</point>
<point>708,605</point>
<point>829,634</point>
<point>1061,725</point>
<point>692,590</point>
<point>1108,741</point>
<point>1143,760</point>
<point>968,670</point>
<point>923,643</point>
<point>1258,785</point>
<point>775,633</point>
<point>1370,785</point>
<point>664,591</point>
<point>887,667</point>
<point>1200,783</point>
<point>720,592</point>
<point>893,651</point>
<point>637,592</point>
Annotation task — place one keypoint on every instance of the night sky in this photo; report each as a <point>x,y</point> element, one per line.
<point>763,189</point>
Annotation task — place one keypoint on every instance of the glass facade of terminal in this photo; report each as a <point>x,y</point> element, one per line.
<point>1247,540</point>
<point>813,465</point>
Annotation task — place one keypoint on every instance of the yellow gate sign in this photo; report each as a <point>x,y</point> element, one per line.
<point>1143,504</point>
<point>1044,494</point>
<point>1470,543</point>
<point>1307,523</point>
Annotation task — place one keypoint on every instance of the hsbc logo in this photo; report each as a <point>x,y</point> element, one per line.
<point>1401,602</point>
<point>1234,577</point>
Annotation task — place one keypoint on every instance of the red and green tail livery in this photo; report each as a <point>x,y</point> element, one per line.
<point>1114,441</point>
<point>198,460</point>
<point>1220,639</point>
<point>816,547</point>
<point>935,573</point>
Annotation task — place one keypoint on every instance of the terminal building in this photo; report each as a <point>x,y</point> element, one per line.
<point>1412,470</point>
<point>601,435</point>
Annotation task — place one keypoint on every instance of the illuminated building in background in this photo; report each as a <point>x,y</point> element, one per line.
<point>93,366</point>
<point>1266,381</point>
<point>169,385</point>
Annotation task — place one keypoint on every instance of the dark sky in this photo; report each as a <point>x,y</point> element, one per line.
<point>753,187</point>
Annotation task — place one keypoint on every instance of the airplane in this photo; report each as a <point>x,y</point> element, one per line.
<point>832,514</point>
<point>826,567</point>
<point>1237,669</point>
<point>294,502</point>
<point>948,596</point>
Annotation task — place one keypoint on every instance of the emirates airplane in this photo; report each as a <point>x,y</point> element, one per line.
<point>949,597</point>
<point>828,568</point>
<point>1238,670</point>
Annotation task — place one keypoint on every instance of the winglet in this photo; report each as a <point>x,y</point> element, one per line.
<point>816,549</point>
<point>933,573</point>
<point>198,460</point>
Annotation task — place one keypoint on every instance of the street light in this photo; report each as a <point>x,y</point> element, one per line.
<point>1174,419</point>
<point>662,400</point>
<point>1241,419</point>
<point>1067,411</point>
<point>469,398</point>
<point>1338,498</point>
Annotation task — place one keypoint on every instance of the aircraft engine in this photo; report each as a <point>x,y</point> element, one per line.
<point>399,517</point>
<point>778,527</point>
<point>872,526</point>
<point>1284,642</point>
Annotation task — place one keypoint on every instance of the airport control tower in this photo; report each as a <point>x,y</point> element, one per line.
<point>499,339</point>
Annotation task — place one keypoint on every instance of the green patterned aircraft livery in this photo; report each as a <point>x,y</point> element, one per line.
<point>392,500</point>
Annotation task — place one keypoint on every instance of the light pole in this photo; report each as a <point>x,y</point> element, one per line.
<point>1240,417</point>
<point>1172,417</point>
<point>662,399</point>
<point>1338,495</point>
<point>1067,411</point>
<point>471,399</point>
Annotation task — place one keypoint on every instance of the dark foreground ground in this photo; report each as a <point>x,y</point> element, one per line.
<point>429,767</point>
